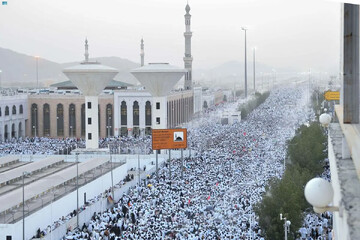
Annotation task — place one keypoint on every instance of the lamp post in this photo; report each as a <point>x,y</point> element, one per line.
<point>23,201</point>
<point>35,126</point>
<point>254,50</point>
<point>109,126</point>
<point>37,71</point>
<point>287,224</point>
<point>77,190</point>
<point>245,29</point>
<point>112,176</point>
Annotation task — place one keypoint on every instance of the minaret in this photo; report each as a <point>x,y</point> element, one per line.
<point>188,58</point>
<point>86,51</point>
<point>142,54</point>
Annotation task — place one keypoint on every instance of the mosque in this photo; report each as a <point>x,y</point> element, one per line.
<point>123,109</point>
<point>53,186</point>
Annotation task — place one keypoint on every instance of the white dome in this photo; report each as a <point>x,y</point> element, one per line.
<point>319,192</point>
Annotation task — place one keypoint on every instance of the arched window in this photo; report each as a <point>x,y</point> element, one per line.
<point>136,113</point>
<point>148,113</point>
<point>123,113</point>
<point>46,119</point>
<point>205,105</point>
<point>123,110</point>
<point>20,130</point>
<point>60,119</point>
<point>0,112</point>
<point>6,111</point>
<point>34,120</point>
<point>109,120</point>
<point>6,133</point>
<point>72,120</point>
<point>83,126</point>
<point>13,131</point>
<point>21,109</point>
<point>13,110</point>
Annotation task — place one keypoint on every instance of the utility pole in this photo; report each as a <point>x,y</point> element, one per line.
<point>245,29</point>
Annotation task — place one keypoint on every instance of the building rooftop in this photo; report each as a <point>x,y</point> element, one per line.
<point>112,85</point>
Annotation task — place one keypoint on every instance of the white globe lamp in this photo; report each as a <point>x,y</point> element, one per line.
<point>319,193</point>
<point>325,119</point>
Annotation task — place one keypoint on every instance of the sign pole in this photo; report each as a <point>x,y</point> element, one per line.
<point>182,164</point>
<point>170,164</point>
<point>157,169</point>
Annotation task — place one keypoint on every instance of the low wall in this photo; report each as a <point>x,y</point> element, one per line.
<point>63,206</point>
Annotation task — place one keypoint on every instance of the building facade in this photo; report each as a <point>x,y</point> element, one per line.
<point>63,115</point>
<point>13,116</point>
<point>132,112</point>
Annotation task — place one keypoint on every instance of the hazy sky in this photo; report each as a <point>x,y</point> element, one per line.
<point>287,33</point>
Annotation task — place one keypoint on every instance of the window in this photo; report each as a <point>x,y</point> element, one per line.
<point>157,120</point>
<point>157,105</point>
<point>89,121</point>
<point>136,114</point>
<point>89,136</point>
<point>123,113</point>
<point>46,119</point>
<point>34,119</point>
<point>14,110</point>
<point>89,105</point>
<point>72,120</point>
<point>148,114</point>
<point>109,124</point>
<point>21,109</point>
<point>60,119</point>
<point>83,119</point>
<point>6,111</point>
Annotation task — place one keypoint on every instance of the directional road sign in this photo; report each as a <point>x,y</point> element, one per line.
<point>330,95</point>
<point>169,138</point>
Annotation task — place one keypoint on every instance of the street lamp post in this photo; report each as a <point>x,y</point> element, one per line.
<point>77,190</point>
<point>37,71</point>
<point>109,126</point>
<point>23,201</point>
<point>287,224</point>
<point>254,49</point>
<point>245,29</point>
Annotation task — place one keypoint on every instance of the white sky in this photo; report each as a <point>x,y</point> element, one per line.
<point>287,33</point>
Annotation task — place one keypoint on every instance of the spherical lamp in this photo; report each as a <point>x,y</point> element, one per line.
<point>319,193</point>
<point>325,119</point>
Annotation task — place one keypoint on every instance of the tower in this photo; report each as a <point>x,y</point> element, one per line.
<point>91,78</point>
<point>188,58</point>
<point>86,51</point>
<point>142,54</point>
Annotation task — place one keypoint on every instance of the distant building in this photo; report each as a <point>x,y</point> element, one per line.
<point>13,115</point>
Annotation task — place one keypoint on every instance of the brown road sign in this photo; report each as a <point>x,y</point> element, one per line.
<point>169,138</point>
<point>330,95</point>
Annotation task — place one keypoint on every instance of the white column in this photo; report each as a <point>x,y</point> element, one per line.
<point>159,113</point>
<point>93,128</point>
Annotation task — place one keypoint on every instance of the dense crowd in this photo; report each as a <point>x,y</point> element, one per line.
<point>38,145</point>
<point>221,183</point>
<point>50,146</point>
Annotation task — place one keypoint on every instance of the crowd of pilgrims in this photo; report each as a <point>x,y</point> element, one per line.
<point>221,182</point>
<point>50,146</point>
